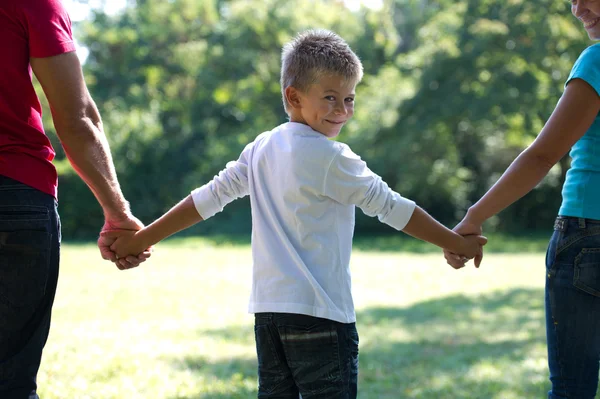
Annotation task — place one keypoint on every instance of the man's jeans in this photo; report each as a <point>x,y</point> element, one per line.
<point>29,257</point>
<point>573,308</point>
<point>298,354</point>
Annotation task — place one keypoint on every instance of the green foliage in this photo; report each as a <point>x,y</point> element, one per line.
<point>453,90</point>
<point>486,76</point>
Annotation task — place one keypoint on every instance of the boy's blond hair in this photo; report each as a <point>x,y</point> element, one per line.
<point>314,54</point>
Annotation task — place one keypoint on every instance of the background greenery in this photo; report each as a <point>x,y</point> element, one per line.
<point>177,327</point>
<point>453,91</point>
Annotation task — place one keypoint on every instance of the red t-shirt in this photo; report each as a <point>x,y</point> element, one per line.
<point>28,28</point>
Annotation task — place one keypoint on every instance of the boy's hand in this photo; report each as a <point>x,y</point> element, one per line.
<point>465,228</point>
<point>125,222</point>
<point>471,248</point>
<point>126,243</point>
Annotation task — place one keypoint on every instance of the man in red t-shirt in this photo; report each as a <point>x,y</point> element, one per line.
<point>36,35</point>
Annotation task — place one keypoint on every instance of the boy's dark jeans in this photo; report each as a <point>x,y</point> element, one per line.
<point>29,257</point>
<point>299,354</point>
<point>573,308</point>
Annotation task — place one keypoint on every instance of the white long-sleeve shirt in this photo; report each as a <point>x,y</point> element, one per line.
<point>303,191</point>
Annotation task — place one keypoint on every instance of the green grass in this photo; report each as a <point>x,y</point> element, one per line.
<point>177,327</point>
<point>531,242</point>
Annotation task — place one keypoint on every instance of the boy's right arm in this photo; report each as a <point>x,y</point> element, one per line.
<point>202,203</point>
<point>424,227</point>
<point>180,217</point>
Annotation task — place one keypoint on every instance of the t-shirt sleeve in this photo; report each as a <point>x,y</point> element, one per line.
<point>350,182</point>
<point>587,68</point>
<point>230,184</point>
<point>49,29</point>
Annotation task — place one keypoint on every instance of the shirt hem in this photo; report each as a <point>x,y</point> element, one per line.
<point>323,313</point>
<point>61,48</point>
<point>579,213</point>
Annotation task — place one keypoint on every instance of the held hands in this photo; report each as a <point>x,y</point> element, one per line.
<point>112,229</point>
<point>125,243</point>
<point>473,241</point>
<point>471,248</point>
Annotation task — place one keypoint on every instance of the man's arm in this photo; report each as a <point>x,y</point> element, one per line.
<point>79,128</point>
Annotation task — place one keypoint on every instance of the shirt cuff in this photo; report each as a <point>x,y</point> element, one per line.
<point>400,213</point>
<point>204,203</point>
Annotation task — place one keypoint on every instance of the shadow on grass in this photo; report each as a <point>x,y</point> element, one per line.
<point>456,347</point>
<point>453,347</point>
<point>237,376</point>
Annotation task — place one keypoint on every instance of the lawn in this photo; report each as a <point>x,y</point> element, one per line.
<point>177,327</point>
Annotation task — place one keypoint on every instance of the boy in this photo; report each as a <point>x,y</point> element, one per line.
<point>303,191</point>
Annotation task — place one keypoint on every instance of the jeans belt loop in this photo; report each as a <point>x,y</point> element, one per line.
<point>560,224</point>
<point>581,222</point>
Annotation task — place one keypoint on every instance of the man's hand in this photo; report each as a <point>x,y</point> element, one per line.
<point>127,222</point>
<point>465,227</point>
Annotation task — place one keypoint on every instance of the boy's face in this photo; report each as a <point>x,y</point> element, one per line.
<point>326,106</point>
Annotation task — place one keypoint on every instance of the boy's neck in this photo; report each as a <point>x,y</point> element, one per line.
<point>294,117</point>
<point>297,117</point>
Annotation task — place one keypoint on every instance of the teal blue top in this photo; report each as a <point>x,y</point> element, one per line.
<point>581,191</point>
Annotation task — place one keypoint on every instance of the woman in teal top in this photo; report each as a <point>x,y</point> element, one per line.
<point>573,256</point>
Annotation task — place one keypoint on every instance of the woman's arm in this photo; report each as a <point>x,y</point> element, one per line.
<point>572,117</point>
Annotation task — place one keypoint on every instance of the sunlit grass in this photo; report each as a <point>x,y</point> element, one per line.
<point>177,327</point>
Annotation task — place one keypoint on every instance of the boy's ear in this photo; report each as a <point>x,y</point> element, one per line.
<point>293,97</point>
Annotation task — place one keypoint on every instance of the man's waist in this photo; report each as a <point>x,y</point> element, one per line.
<point>30,170</point>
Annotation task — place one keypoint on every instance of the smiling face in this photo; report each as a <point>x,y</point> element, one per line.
<point>588,12</point>
<point>326,106</point>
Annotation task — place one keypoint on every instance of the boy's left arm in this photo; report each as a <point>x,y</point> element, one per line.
<point>349,181</point>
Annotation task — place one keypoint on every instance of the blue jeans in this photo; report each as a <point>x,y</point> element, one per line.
<point>299,354</point>
<point>573,308</point>
<point>29,257</point>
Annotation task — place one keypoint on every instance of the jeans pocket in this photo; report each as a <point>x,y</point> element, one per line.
<point>313,355</point>
<point>587,271</point>
<point>24,270</point>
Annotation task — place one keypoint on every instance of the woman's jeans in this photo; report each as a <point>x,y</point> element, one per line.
<point>573,308</point>
<point>29,257</point>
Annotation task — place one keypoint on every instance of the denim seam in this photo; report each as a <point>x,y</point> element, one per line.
<point>573,239</point>
<point>576,272</point>
<point>340,359</point>
<point>33,208</point>
<point>25,220</point>
<point>349,341</point>
<point>24,213</point>
<point>554,324</point>
<point>551,269</point>
<point>274,352</point>
<point>15,187</point>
